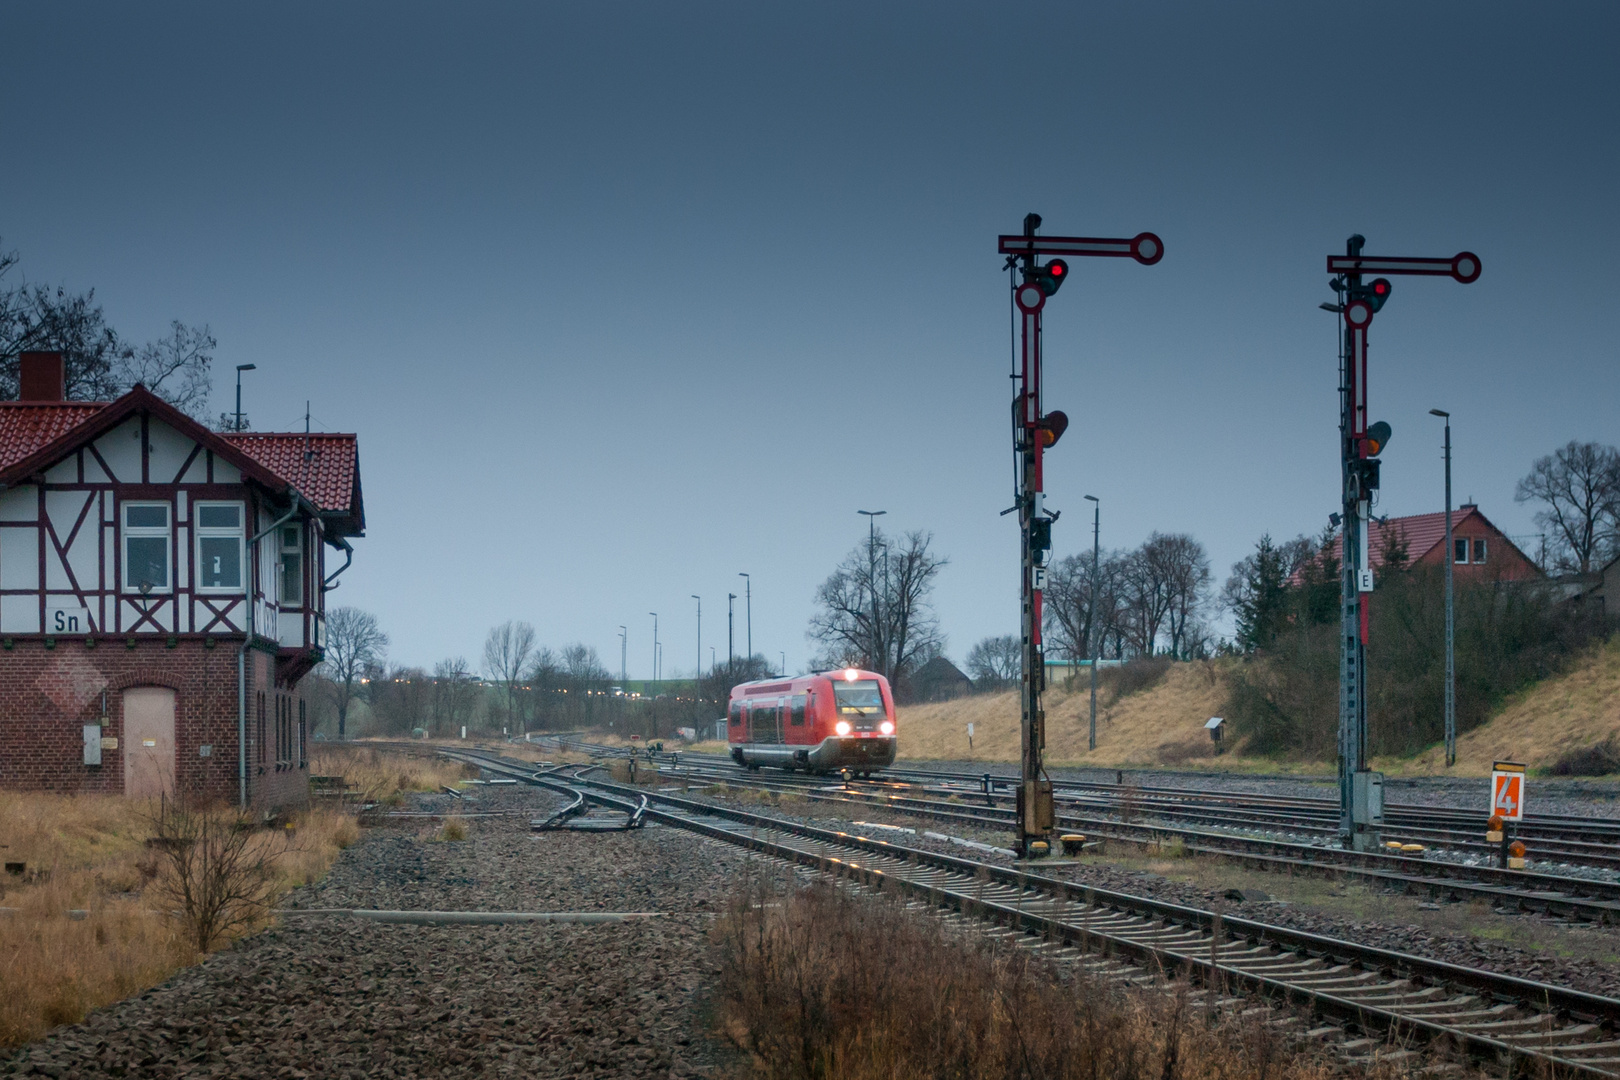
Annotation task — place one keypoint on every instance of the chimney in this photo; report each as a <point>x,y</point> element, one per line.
<point>41,376</point>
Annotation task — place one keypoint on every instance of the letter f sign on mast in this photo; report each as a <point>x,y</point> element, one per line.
<point>1034,430</point>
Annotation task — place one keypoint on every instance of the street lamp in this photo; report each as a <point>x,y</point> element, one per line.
<point>731,618</point>
<point>749,582</point>
<point>1091,621</point>
<point>239,369</point>
<point>699,599</point>
<point>1451,637</point>
<point>624,655</point>
<point>654,615</point>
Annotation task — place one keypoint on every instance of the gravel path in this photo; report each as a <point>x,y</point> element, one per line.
<point>336,997</point>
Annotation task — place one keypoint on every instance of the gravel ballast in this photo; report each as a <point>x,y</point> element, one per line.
<point>335,996</point>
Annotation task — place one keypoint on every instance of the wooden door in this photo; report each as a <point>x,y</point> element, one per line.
<point>148,741</point>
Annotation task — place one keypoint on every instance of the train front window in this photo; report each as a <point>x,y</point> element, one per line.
<point>863,698</point>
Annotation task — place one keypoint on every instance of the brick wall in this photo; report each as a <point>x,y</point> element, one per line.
<point>47,695</point>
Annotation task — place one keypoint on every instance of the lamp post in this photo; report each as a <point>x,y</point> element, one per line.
<point>654,615</point>
<point>731,619</point>
<point>1451,557</point>
<point>1091,621</point>
<point>699,599</point>
<point>624,655</point>
<point>783,669</point>
<point>871,563</point>
<point>239,369</point>
<point>749,604</point>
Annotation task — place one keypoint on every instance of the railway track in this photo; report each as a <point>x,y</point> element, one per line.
<point>1372,993</point>
<point>1537,890</point>
<point>1570,841</point>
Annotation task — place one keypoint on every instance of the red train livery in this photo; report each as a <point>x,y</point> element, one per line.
<point>836,720</point>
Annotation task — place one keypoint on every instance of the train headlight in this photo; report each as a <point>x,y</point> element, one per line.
<point>850,674</point>
<point>887,727</point>
<point>842,727</point>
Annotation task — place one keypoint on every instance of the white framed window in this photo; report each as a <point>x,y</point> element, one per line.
<point>1479,551</point>
<point>292,565</point>
<point>146,536</point>
<point>218,526</point>
<point>1460,555</point>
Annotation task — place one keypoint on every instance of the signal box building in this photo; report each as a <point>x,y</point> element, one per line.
<point>162,595</point>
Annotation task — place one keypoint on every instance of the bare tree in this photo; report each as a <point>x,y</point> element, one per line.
<point>1186,581</point>
<point>995,662</point>
<point>507,650</point>
<point>1085,605</point>
<point>100,365</point>
<point>402,700</point>
<point>355,644</point>
<point>875,609</point>
<point>455,695</point>
<point>1578,486</point>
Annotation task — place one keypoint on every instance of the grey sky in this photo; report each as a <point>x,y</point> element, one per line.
<point>624,298</point>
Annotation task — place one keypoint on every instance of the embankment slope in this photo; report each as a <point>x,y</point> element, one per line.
<point>1160,725</point>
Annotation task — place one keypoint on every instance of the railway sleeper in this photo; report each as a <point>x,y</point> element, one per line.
<point>1565,1038</point>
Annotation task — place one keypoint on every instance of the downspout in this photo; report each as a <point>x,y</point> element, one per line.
<point>348,557</point>
<point>241,655</point>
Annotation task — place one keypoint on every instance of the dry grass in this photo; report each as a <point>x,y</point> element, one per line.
<point>1575,710</point>
<point>88,853</point>
<point>819,984</point>
<point>454,829</point>
<point>384,775</point>
<point>1164,721</point>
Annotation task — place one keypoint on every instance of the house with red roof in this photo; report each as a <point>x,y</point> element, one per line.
<point>1479,548</point>
<point>162,595</point>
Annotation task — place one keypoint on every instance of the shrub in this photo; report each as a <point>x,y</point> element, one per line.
<point>1285,698</point>
<point>1599,760</point>
<point>1133,676</point>
<point>823,984</point>
<point>216,869</point>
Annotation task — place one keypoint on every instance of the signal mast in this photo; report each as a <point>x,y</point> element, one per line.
<point>1034,431</point>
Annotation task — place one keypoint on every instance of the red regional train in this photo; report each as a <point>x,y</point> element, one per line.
<point>829,722</point>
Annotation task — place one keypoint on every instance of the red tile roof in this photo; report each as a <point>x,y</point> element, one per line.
<point>326,478</point>
<point>1423,533</point>
<point>34,435</point>
<point>27,426</point>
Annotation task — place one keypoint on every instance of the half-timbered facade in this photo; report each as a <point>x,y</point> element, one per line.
<point>161,594</point>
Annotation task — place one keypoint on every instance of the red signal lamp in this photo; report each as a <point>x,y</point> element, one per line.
<point>1050,277</point>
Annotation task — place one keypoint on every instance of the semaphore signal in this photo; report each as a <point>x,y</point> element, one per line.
<point>1034,432</point>
<point>1361,798</point>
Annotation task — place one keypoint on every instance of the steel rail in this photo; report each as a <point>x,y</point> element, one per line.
<point>1492,1017</point>
<point>1598,901</point>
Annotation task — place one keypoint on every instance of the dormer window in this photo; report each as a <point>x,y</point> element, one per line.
<point>146,547</point>
<point>219,546</point>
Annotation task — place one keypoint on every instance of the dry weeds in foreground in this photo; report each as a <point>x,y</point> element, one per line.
<point>87,854</point>
<point>817,983</point>
<point>382,776</point>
